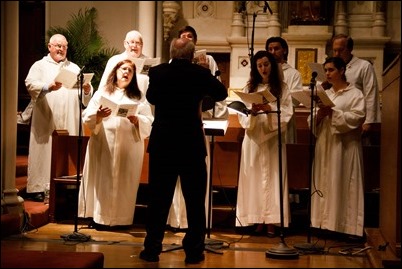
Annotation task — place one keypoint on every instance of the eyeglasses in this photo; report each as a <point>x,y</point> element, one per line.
<point>134,43</point>
<point>59,46</point>
<point>126,69</point>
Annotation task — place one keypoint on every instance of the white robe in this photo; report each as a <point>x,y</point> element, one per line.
<point>361,73</point>
<point>54,110</point>
<point>142,80</point>
<point>259,186</point>
<point>337,201</point>
<point>113,163</point>
<point>177,214</point>
<point>292,78</point>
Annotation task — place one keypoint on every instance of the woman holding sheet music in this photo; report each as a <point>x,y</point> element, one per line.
<point>115,151</point>
<point>258,188</point>
<point>337,201</point>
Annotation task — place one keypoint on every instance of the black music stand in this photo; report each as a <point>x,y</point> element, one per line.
<point>212,128</point>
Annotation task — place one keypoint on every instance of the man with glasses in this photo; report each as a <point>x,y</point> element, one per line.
<point>133,45</point>
<point>54,107</point>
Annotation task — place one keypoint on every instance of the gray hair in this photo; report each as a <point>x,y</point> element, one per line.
<point>182,48</point>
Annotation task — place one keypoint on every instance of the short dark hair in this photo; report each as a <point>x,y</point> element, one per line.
<point>339,64</point>
<point>190,29</point>
<point>281,41</point>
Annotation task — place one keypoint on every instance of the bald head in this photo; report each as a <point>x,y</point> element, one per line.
<point>182,48</point>
<point>134,44</point>
<point>58,38</point>
<point>132,35</point>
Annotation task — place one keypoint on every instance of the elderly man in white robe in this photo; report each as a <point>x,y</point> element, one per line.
<point>133,45</point>
<point>55,107</point>
<point>361,74</point>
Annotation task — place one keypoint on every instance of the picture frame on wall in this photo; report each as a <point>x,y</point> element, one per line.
<point>303,57</point>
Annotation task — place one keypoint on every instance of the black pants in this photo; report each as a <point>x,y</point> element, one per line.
<point>163,173</point>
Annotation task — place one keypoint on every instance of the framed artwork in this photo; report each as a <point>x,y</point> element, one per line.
<point>303,57</point>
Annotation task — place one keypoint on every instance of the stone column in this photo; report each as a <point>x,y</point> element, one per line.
<point>237,25</point>
<point>146,26</point>
<point>9,80</point>
<point>274,27</point>
<point>341,25</point>
<point>378,28</point>
<point>170,15</point>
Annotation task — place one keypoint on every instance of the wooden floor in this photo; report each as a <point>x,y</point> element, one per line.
<point>122,247</point>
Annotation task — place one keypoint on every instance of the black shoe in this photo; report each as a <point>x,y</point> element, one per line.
<point>37,197</point>
<point>149,257</point>
<point>194,259</point>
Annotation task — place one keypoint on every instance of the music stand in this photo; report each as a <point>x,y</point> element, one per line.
<point>212,128</point>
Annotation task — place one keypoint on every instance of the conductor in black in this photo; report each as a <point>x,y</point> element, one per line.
<point>177,147</point>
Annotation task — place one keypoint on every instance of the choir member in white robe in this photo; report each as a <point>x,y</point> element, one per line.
<point>115,151</point>
<point>258,195</point>
<point>54,108</point>
<point>337,201</point>
<point>291,76</point>
<point>133,45</point>
<point>360,73</point>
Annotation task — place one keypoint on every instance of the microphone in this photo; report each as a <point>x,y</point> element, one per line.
<point>312,81</point>
<point>80,74</point>
<point>266,6</point>
<point>217,73</point>
<point>313,76</point>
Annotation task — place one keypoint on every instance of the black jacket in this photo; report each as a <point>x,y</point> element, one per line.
<point>177,90</point>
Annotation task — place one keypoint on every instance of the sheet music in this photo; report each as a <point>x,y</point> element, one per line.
<point>256,97</point>
<point>198,53</point>
<point>88,77</point>
<point>148,63</point>
<point>139,64</point>
<point>67,77</point>
<point>304,96</point>
<point>323,96</point>
<point>142,65</point>
<point>121,110</point>
<point>316,67</point>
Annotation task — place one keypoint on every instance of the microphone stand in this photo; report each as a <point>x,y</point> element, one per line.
<point>308,246</point>
<point>76,236</point>
<point>252,38</point>
<point>282,251</point>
